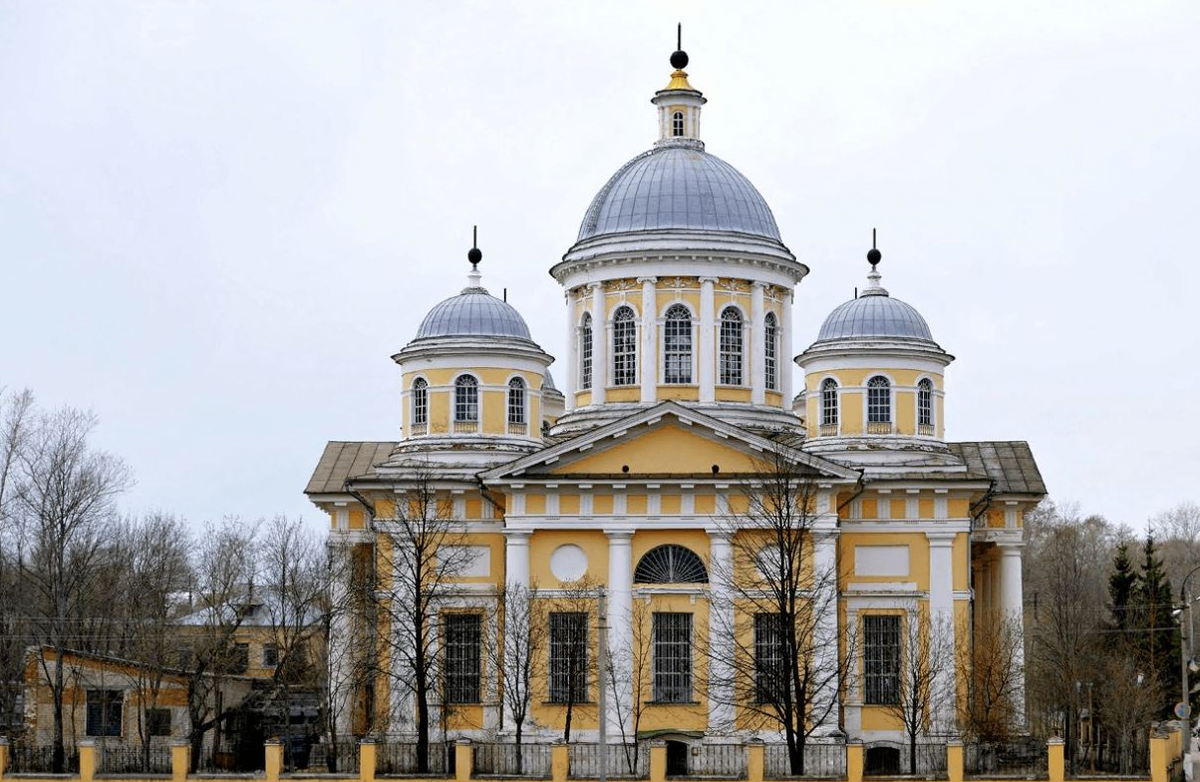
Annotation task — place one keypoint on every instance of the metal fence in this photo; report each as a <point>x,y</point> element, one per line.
<point>122,758</point>
<point>820,760</point>
<point>892,758</point>
<point>1128,758</point>
<point>721,761</point>
<point>628,761</point>
<point>503,760</point>
<point>339,758</point>
<point>1017,758</point>
<point>401,759</point>
<point>30,759</point>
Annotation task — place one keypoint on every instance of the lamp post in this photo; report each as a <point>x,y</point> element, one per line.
<point>1185,654</point>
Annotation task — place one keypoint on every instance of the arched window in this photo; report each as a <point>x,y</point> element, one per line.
<point>730,351</point>
<point>516,401</point>
<point>829,406</point>
<point>624,347</point>
<point>677,345</point>
<point>925,406</point>
<point>466,398</point>
<point>585,352</point>
<point>420,402</point>
<point>879,405</point>
<point>677,124</point>
<point>771,351</point>
<point>670,564</point>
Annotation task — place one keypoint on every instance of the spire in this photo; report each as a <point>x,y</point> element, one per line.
<point>474,255</point>
<point>873,277</point>
<point>679,102</point>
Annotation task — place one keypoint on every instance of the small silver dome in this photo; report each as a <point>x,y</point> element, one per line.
<point>678,186</point>
<point>875,314</point>
<point>548,382</point>
<point>473,313</point>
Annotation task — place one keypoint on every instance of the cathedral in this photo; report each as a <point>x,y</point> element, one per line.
<point>671,540</point>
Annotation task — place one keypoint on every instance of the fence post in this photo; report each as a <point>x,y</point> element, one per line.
<point>560,761</point>
<point>954,760</point>
<point>87,760</point>
<point>180,758</point>
<point>464,760</point>
<point>1159,757</point>
<point>273,755</point>
<point>3,755</point>
<point>367,759</point>
<point>854,760</point>
<point>1056,759</point>
<point>754,760</point>
<point>658,761</point>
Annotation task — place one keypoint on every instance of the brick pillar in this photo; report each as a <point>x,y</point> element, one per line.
<point>181,750</point>
<point>273,756</point>
<point>1057,758</point>
<point>954,760</point>
<point>367,755</point>
<point>560,762</point>
<point>464,758</point>
<point>854,761</point>
<point>658,761</point>
<point>754,760</point>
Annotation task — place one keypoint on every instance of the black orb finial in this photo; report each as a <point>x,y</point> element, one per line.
<point>679,58</point>
<point>873,255</point>
<point>474,255</point>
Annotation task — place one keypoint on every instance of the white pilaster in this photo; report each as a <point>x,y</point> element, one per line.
<point>1012,604</point>
<point>599,343</point>
<point>786,356</point>
<point>516,577</point>
<point>706,356</point>
<point>758,341</point>
<point>941,617</point>
<point>341,640</point>
<point>721,690</point>
<point>620,629</point>
<point>649,339</point>
<point>826,626</point>
<point>572,352</point>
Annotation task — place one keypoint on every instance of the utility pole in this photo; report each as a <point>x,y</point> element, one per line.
<point>602,677</point>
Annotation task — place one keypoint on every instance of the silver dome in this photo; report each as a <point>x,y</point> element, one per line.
<point>678,187</point>
<point>875,314</point>
<point>473,313</point>
<point>548,382</point>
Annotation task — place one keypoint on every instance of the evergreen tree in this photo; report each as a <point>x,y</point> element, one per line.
<point>1121,585</point>
<point>1158,637</point>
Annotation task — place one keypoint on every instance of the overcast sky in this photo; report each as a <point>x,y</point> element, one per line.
<point>219,220</point>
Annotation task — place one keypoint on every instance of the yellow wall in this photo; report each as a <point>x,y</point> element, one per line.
<point>667,449</point>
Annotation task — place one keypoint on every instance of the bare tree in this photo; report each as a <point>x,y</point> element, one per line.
<point>992,655</point>
<point>775,625</point>
<point>630,684</point>
<point>570,619</point>
<point>924,675</point>
<point>62,500</point>
<point>520,656</point>
<point>15,634</point>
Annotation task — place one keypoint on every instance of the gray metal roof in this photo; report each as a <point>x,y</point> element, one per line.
<point>474,312</point>
<point>681,187</point>
<point>548,382</point>
<point>875,315</point>
<point>1009,463</point>
<point>342,460</point>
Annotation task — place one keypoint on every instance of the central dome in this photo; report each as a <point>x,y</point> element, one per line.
<point>678,186</point>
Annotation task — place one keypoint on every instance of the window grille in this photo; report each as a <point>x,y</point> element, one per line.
<point>624,348</point>
<point>104,712</point>
<point>585,353</point>
<point>516,401</point>
<point>677,124</point>
<point>677,345</point>
<point>670,564</point>
<point>770,677</point>
<point>466,398</point>
<point>463,641</point>
<point>672,657</point>
<point>568,656</point>
<point>881,660</point>
<point>879,400</point>
<point>829,405</point>
<point>420,401</point>
<point>731,347</point>
<point>771,351</point>
<point>925,403</point>
<point>270,655</point>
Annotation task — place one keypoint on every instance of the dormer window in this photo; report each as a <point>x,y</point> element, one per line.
<point>677,124</point>
<point>879,405</point>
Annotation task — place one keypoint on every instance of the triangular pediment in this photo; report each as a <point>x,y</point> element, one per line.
<point>668,440</point>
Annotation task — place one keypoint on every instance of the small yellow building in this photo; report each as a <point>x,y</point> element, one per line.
<point>653,474</point>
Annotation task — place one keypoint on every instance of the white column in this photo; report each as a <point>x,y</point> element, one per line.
<point>516,578</point>
<point>572,352</point>
<point>599,343</point>
<point>706,356</point>
<point>721,675</point>
<point>758,341</point>
<point>649,369</point>
<point>620,628</point>
<point>1013,607</point>
<point>786,365</point>
<point>826,626</point>
<point>941,617</point>
<point>341,641</point>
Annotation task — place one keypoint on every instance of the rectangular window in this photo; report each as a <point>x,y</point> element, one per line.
<point>516,402</point>
<point>239,658</point>
<point>104,712</point>
<point>568,656</point>
<point>677,346</point>
<point>881,660</point>
<point>585,354</point>
<point>270,655</point>
<point>730,350</point>
<point>420,402</point>
<point>672,657</point>
<point>769,672</point>
<point>158,722</point>
<point>464,636</point>
<point>624,348</point>
<point>770,347</point>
